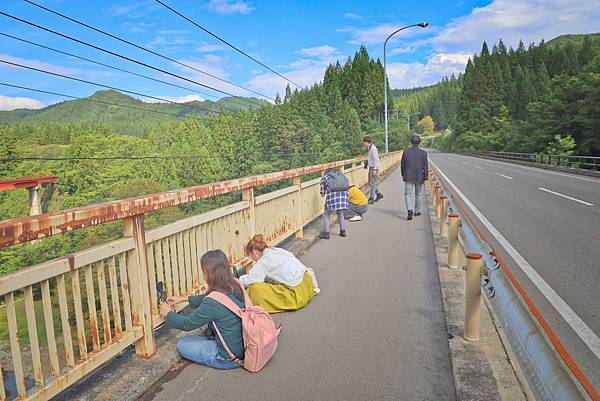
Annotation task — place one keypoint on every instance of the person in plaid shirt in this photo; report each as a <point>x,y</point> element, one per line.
<point>337,201</point>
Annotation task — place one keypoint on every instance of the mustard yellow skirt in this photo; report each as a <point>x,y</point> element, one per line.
<point>275,298</point>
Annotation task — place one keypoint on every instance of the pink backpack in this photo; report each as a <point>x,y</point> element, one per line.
<point>258,329</point>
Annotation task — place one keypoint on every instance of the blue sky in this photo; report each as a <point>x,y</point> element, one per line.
<point>297,38</point>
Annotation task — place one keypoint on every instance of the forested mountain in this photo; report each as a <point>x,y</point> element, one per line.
<point>125,114</point>
<point>439,101</point>
<point>323,123</point>
<point>519,99</point>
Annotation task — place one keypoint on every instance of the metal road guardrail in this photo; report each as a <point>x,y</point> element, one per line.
<point>569,161</point>
<point>102,300</point>
<point>550,370</point>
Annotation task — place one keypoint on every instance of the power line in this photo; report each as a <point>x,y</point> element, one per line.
<point>109,87</point>
<point>106,65</point>
<point>125,57</point>
<point>226,42</point>
<point>93,100</point>
<point>143,48</point>
<point>151,157</point>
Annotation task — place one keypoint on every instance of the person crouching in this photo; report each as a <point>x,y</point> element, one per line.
<point>278,281</point>
<point>358,204</point>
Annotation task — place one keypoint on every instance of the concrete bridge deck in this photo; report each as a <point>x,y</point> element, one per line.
<point>376,332</point>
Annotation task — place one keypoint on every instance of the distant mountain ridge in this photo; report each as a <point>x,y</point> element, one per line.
<point>124,119</point>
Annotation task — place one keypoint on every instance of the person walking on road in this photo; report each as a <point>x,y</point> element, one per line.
<point>414,168</point>
<point>372,163</point>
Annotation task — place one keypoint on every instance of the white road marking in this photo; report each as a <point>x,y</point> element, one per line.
<point>577,324</point>
<point>567,197</point>
<point>537,169</point>
<point>505,176</point>
<point>480,168</point>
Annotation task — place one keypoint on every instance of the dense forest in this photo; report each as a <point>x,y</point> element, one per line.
<point>524,99</point>
<point>323,123</point>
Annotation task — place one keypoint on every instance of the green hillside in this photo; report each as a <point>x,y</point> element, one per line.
<point>565,40</point>
<point>125,114</point>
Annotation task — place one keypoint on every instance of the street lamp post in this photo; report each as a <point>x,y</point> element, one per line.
<point>422,25</point>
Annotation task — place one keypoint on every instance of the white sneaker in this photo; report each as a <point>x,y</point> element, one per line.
<point>355,218</point>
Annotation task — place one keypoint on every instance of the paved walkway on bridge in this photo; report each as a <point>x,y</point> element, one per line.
<point>376,332</point>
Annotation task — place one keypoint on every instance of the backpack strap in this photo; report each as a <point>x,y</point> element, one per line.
<point>229,304</point>
<point>226,302</point>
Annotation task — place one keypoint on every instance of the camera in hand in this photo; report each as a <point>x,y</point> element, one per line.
<point>239,272</point>
<point>162,295</point>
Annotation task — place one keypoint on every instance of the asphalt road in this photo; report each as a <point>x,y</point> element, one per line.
<point>376,332</point>
<point>553,220</point>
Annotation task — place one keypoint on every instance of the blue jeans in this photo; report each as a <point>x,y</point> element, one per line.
<point>201,350</point>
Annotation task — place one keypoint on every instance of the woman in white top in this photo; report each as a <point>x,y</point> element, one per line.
<point>278,281</point>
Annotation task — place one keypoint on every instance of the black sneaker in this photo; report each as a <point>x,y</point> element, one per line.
<point>410,215</point>
<point>323,235</point>
<point>417,214</point>
<point>371,201</point>
<point>343,233</point>
<point>379,197</point>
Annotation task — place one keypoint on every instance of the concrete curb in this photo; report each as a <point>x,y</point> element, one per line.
<point>483,370</point>
<point>128,377</point>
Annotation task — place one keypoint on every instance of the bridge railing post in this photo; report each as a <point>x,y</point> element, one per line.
<point>473,296</point>
<point>438,201</point>
<point>443,215</point>
<point>139,285</point>
<point>297,181</point>
<point>453,223</point>
<point>248,195</point>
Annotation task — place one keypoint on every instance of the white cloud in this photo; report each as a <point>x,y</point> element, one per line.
<point>512,20</point>
<point>319,51</point>
<point>229,7</point>
<point>214,65</point>
<point>509,20</point>
<point>207,48</point>
<point>177,99</point>
<point>37,64</point>
<point>12,103</point>
<point>353,16</point>
<point>376,35</point>
<point>162,41</point>
<point>138,27</point>
<point>408,75</point>
<point>135,9</point>
<point>305,71</point>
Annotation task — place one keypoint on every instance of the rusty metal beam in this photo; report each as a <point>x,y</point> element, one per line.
<point>27,229</point>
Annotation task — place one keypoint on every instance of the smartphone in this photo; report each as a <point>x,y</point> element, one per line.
<point>162,295</point>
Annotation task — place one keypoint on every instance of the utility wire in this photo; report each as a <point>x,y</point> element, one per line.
<point>106,65</point>
<point>143,48</point>
<point>87,99</point>
<point>226,42</point>
<point>109,87</point>
<point>151,157</point>
<point>125,57</point>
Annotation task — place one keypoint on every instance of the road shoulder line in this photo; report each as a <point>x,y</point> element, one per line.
<point>591,340</point>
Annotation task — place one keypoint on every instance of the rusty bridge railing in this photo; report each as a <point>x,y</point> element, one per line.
<point>83,309</point>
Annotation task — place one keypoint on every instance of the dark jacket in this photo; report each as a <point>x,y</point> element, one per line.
<point>414,165</point>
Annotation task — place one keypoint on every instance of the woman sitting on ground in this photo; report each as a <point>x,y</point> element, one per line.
<point>278,281</point>
<point>201,349</point>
